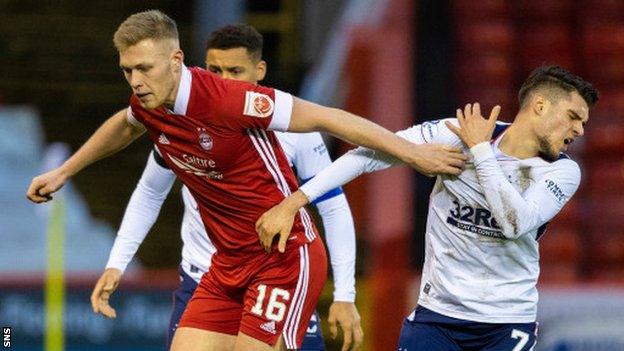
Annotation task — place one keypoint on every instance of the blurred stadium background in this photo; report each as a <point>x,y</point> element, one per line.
<point>398,62</point>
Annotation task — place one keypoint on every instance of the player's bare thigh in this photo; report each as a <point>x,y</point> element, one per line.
<point>193,339</point>
<point>245,342</point>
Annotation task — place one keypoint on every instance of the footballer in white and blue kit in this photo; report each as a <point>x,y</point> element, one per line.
<point>478,288</point>
<point>307,154</point>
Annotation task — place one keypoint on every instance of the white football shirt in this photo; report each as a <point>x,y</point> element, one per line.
<point>481,254</point>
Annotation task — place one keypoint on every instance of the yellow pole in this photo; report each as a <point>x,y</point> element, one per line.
<point>55,288</point>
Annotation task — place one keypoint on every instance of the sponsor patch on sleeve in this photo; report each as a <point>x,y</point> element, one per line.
<point>429,130</point>
<point>258,105</point>
<point>556,191</point>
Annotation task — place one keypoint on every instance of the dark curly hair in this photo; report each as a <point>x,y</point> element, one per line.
<point>553,78</point>
<point>237,36</point>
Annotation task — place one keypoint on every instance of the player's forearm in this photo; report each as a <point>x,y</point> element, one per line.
<point>293,203</point>
<point>307,117</point>
<point>346,168</point>
<point>124,249</point>
<point>141,214</point>
<point>340,237</point>
<point>512,212</point>
<point>115,134</point>
<point>360,131</point>
<point>136,223</point>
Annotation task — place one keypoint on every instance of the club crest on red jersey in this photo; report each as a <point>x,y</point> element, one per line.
<point>258,105</point>
<point>205,141</point>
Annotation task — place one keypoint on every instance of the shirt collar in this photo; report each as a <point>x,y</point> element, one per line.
<point>496,141</point>
<point>531,161</point>
<point>184,92</point>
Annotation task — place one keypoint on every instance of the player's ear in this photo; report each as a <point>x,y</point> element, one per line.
<point>261,68</point>
<point>539,104</point>
<point>177,60</point>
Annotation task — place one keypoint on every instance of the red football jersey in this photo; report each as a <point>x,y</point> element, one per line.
<point>218,143</point>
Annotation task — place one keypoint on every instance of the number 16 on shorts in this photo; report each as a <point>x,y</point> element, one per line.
<point>274,308</point>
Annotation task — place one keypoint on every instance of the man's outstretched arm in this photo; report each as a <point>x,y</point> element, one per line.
<point>115,134</point>
<point>429,159</point>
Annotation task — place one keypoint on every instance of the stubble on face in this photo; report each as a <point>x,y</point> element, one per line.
<point>155,81</point>
<point>546,148</point>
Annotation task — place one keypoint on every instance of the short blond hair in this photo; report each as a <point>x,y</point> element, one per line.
<point>152,24</point>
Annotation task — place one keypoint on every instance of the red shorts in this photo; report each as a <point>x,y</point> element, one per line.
<point>265,297</point>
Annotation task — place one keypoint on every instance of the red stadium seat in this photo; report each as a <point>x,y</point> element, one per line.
<point>605,139</point>
<point>485,36</point>
<point>558,273</point>
<point>490,96</point>
<point>596,10</point>
<point>560,243</point>
<point>602,52</point>
<point>569,215</point>
<point>602,39</point>
<point>610,108</point>
<point>553,35</point>
<point>609,72</point>
<point>545,9</point>
<point>607,247</point>
<point>605,178</point>
<point>546,44</point>
<point>604,213</point>
<point>465,9</point>
<point>487,79</point>
<point>492,68</point>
